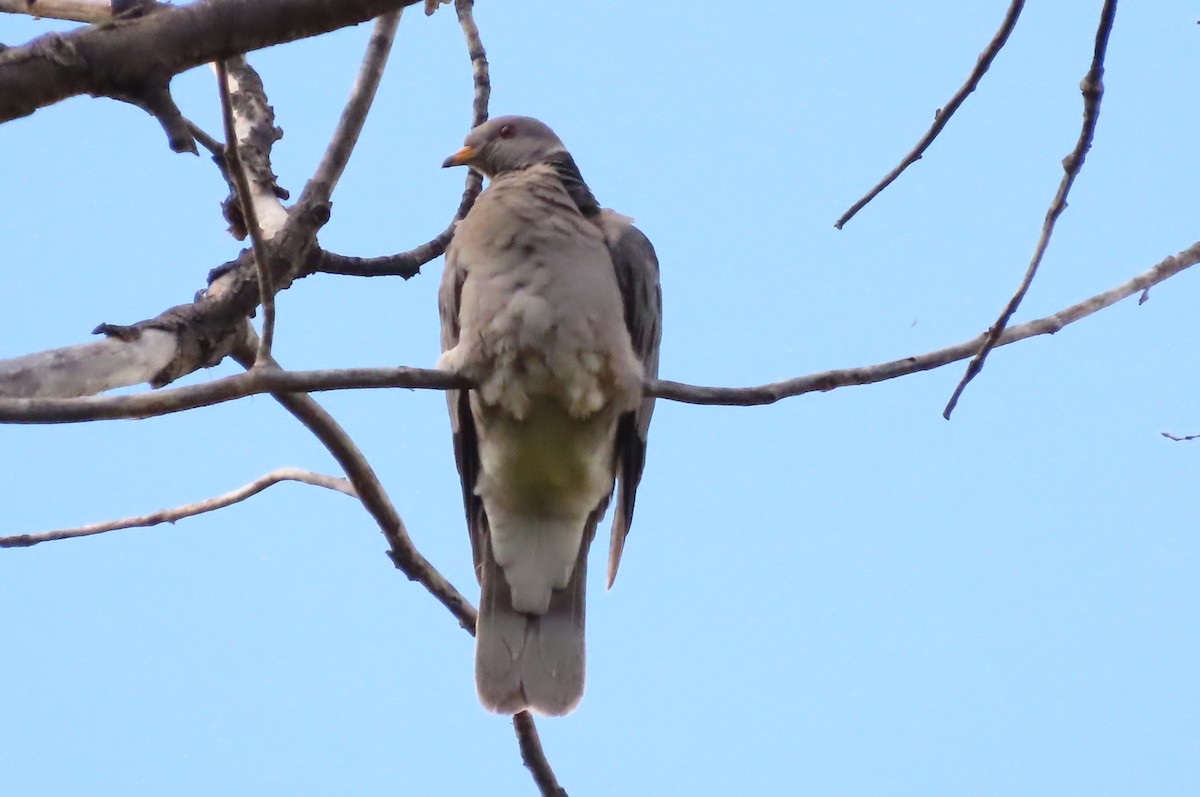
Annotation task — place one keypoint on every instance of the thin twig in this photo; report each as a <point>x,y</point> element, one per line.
<point>187,510</point>
<point>1093,92</point>
<point>369,489</point>
<point>830,380</point>
<point>350,125</point>
<point>406,264</point>
<point>942,116</point>
<point>214,147</point>
<point>534,757</point>
<point>166,401</point>
<point>480,73</point>
<point>266,287</point>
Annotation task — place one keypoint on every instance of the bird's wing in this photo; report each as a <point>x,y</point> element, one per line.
<point>637,276</point>
<point>462,424</point>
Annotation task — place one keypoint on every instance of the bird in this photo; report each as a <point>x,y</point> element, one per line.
<point>551,308</point>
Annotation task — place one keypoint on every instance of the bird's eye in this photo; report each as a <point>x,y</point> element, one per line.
<point>508,131</point>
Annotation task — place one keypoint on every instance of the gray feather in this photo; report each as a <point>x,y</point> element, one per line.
<point>636,265</point>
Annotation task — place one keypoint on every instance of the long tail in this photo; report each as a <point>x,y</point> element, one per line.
<point>530,661</point>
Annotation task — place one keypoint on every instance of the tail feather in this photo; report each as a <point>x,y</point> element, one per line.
<point>530,661</point>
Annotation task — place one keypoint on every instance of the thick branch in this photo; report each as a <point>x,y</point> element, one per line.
<point>249,202</point>
<point>250,134</point>
<point>187,510</point>
<point>122,58</point>
<point>942,116</point>
<point>204,332</point>
<point>71,10</point>
<point>88,368</point>
<point>1093,92</point>
<point>163,402</point>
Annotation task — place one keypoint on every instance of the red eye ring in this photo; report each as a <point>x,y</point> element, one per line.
<point>508,131</point>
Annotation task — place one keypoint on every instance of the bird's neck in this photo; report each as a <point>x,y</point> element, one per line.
<point>564,167</point>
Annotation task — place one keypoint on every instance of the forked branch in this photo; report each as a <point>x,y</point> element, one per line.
<point>1093,92</point>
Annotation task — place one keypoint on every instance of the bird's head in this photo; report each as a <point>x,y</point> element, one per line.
<point>505,144</point>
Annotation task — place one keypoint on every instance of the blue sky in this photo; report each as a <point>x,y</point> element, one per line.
<point>842,594</point>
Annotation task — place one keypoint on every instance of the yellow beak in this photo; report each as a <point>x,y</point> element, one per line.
<point>460,158</point>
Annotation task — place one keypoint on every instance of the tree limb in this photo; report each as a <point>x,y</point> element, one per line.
<point>354,115</point>
<point>829,380</point>
<point>369,489</point>
<point>942,116</point>
<point>187,510</point>
<point>534,757</point>
<point>408,264</point>
<point>250,134</point>
<point>200,334</point>
<point>480,71</point>
<point>247,204</point>
<point>1093,92</point>
<point>122,59</point>
<point>163,402</point>
<point>88,368</point>
<point>70,10</point>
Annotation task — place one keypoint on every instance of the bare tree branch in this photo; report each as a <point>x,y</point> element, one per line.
<point>126,57</point>
<point>1093,92</point>
<point>214,147</point>
<point>534,757</point>
<point>369,489</point>
<point>187,510</point>
<point>942,116</point>
<point>829,380</point>
<point>253,134</point>
<point>88,368</point>
<point>408,264</point>
<point>70,10</point>
<point>350,125</point>
<point>248,203</point>
<point>480,72</point>
<point>202,333</point>
<point>163,402</point>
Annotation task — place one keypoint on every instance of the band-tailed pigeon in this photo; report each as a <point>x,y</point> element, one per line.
<point>551,306</point>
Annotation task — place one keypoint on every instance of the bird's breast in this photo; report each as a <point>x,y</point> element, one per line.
<point>540,311</point>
